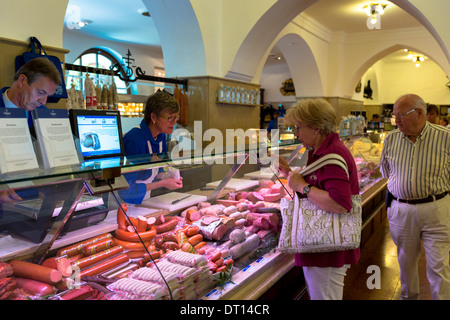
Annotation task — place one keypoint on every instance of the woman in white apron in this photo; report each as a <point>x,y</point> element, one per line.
<point>161,113</point>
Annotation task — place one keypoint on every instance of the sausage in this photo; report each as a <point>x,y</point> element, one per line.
<point>104,266</point>
<point>62,264</point>
<point>169,245</point>
<point>193,230</point>
<point>181,238</point>
<point>78,247</point>
<point>151,222</point>
<point>196,239</point>
<point>143,254</point>
<point>216,256</point>
<point>121,218</point>
<point>97,257</point>
<point>130,245</point>
<point>170,237</point>
<point>97,247</point>
<point>76,257</point>
<point>272,218</point>
<point>200,245</point>
<point>170,224</point>
<point>221,269</point>
<point>219,262</point>
<point>272,197</point>
<point>134,222</point>
<point>142,223</point>
<point>262,223</point>
<point>133,237</point>
<point>187,247</point>
<point>35,287</point>
<point>160,219</point>
<point>193,215</point>
<point>23,269</point>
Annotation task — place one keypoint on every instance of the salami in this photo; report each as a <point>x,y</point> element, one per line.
<point>92,259</point>
<point>34,271</point>
<point>105,266</point>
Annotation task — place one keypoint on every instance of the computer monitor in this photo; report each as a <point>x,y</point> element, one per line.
<point>99,133</point>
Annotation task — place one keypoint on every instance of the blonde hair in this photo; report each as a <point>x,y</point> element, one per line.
<point>315,113</point>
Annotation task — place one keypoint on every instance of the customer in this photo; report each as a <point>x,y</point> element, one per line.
<point>33,83</point>
<point>415,159</point>
<point>329,188</point>
<point>443,122</point>
<point>161,113</point>
<point>432,113</point>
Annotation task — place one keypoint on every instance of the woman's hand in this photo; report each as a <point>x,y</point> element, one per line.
<point>296,181</point>
<point>172,184</point>
<point>283,167</point>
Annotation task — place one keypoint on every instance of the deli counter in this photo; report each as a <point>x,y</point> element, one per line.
<point>64,207</point>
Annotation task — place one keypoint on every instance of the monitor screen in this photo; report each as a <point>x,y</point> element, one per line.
<point>99,132</point>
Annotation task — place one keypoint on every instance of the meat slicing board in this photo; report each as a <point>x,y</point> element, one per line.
<point>235,184</point>
<point>264,173</point>
<point>164,201</point>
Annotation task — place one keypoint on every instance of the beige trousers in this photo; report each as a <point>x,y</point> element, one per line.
<point>428,223</point>
<point>325,283</point>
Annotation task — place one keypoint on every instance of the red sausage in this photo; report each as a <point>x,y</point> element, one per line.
<point>121,218</point>
<point>142,223</point>
<point>94,258</point>
<point>133,237</point>
<point>34,271</point>
<point>102,267</point>
<point>170,224</point>
<point>78,247</point>
<point>97,247</point>
<point>132,246</point>
<point>194,240</point>
<point>38,288</point>
<point>62,264</point>
<point>193,230</point>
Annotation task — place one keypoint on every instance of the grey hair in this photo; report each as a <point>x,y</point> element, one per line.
<point>315,113</point>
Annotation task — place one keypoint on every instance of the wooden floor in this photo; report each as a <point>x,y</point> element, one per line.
<point>380,251</point>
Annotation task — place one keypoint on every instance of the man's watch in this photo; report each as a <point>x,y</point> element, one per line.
<point>307,189</point>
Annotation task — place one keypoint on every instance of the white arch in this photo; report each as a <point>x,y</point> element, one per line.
<point>302,65</point>
<point>181,38</point>
<point>253,48</point>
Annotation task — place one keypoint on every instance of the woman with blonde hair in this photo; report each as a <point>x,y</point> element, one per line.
<point>329,188</point>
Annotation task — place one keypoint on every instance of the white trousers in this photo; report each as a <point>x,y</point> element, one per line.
<point>325,283</point>
<point>429,223</point>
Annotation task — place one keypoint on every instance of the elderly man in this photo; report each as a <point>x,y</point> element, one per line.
<point>33,83</point>
<point>416,158</point>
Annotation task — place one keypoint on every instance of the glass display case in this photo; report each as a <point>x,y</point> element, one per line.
<point>67,205</point>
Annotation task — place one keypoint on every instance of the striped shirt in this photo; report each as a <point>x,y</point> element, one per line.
<point>417,170</point>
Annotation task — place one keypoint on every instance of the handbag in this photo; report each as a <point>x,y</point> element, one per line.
<point>306,228</point>
<point>60,91</point>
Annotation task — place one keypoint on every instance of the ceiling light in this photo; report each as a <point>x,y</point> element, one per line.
<point>374,11</point>
<point>82,23</point>
<point>275,56</point>
<point>374,8</point>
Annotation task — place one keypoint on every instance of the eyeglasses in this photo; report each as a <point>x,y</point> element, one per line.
<point>401,116</point>
<point>171,118</point>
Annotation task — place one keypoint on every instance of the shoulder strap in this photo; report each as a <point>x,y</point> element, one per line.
<point>331,158</point>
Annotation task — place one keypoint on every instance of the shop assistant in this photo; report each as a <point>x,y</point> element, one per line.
<point>161,113</point>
